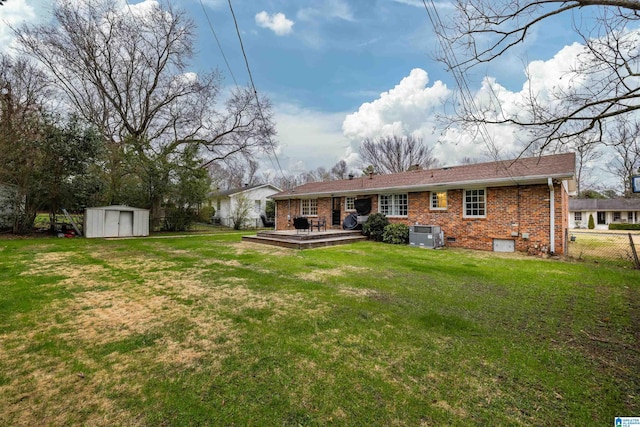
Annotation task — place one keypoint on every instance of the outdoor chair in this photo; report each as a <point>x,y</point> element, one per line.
<point>301,223</point>
<point>320,223</point>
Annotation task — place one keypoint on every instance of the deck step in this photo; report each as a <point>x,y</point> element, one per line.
<point>294,242</point>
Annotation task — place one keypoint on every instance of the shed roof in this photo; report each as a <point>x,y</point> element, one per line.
<point>521,171</point>
<point>117,208</point>
<point>592,205</point>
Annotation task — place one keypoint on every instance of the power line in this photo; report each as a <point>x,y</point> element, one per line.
<point>204,9</point>
<point>253,86</point>
<point>461,81</point>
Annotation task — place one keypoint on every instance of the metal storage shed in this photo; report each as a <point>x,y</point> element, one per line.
<point>116,221</point>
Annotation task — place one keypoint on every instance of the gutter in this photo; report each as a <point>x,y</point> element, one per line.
<point>552,217</point>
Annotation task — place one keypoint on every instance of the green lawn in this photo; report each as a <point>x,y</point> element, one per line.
<point>207,330</point>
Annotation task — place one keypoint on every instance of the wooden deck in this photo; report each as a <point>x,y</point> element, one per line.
<point>305,240</point>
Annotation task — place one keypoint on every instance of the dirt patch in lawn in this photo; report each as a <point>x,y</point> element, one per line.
<point>323,275</point>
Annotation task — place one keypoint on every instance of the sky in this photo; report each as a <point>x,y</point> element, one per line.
<point>339,71</point>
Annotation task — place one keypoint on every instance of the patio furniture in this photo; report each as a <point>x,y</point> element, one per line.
<point>266,221</point>
<point>301,223</point>
<point>319,223</point>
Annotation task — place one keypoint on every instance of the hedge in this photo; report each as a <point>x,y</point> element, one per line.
<point>624,226</point>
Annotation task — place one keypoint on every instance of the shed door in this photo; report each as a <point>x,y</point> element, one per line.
<point>111,221</point>
<point>126,224</point>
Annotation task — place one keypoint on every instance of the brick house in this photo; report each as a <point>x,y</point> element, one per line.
<point>522,202</point>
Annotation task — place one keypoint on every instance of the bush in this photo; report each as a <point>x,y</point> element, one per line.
<point>396,234</point>
<point>592,223</point>
<point>374,227</point>
<point>624,226</point>
<point>177,219</point>
<point>206,213</point>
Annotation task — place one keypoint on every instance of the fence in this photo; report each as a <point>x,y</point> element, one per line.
<point>602,247</point>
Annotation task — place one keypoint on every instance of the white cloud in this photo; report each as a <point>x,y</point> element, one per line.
<point>329,9</point>
<point>309,138</point>
<point>13,14</point>
<point>407,109</point>
<point>278,22</point>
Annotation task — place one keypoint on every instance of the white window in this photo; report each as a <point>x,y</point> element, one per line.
<point>349,203</point>
<point>475,203</point>
<point>309,207</point>
<point>258,206</point>
<point>616,216</point>
<point>438,200</point>
<point>394,204</point>
<point>577,216</point>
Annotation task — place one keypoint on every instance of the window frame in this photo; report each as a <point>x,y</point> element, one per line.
<point>576,214</point>
<point>437,199</point>
<point>395,206</point>
<point>476,195</point>
<point>349,206</point>
<point>311,206</point>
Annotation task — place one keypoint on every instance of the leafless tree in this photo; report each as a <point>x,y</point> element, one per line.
<point>234,172</point>
<point>601,85</point>
<point>340,170</point>
<point>395,154</point>
<point>626,148</point>
<point>23,92</point>
<point>127,73</point>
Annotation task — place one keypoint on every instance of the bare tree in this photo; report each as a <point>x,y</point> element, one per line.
<point>602,84</point>
<point>395,154</point>
<point>23,91</point>
<point>127,73</point>
<point>626,148</point>
<point>340,170</point>
<point>233,172</point>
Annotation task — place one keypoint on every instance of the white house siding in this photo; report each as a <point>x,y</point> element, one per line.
<point>604,212</point>
<point>226,205</point>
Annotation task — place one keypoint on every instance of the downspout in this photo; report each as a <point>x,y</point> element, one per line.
<point>552,217</point>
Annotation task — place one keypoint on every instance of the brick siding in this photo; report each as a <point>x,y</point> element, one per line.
<point>510,212</point>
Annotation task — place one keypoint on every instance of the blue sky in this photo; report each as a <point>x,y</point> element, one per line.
<point>338,71</point>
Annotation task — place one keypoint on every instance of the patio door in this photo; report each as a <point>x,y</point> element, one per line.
<point>335,210</point>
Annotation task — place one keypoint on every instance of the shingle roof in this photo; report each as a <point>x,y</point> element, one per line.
<point>592,205</point>
<point>239,190</point>
<point>509,172</point>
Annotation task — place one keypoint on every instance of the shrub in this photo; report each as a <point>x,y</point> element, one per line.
<point>374,227</point>
<point>624,226</point>
<point>206,213</point>
<point>396,234</point>
<point>592,223</point>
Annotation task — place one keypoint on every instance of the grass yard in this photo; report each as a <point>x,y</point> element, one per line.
<point>207,330</point>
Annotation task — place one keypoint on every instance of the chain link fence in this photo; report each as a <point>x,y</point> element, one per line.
<point>604,247</point>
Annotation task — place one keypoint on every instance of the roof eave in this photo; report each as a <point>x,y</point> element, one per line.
<point>499,182</point>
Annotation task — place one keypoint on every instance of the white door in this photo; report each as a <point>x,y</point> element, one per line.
<point>126,224</point>
<point>111,221</point>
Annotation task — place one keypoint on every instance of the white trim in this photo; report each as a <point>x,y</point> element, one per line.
<point>393,204</point>
<point>446,200</point>
<point>464,203</point>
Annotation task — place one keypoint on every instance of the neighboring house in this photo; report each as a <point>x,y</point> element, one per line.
<point>253,198</point>
<point>510,205</point>
<point>604,211</point>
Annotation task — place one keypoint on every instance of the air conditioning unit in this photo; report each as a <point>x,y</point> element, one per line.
<point>428,236</point>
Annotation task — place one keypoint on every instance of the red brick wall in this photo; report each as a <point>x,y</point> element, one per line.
<point>517,210</point>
